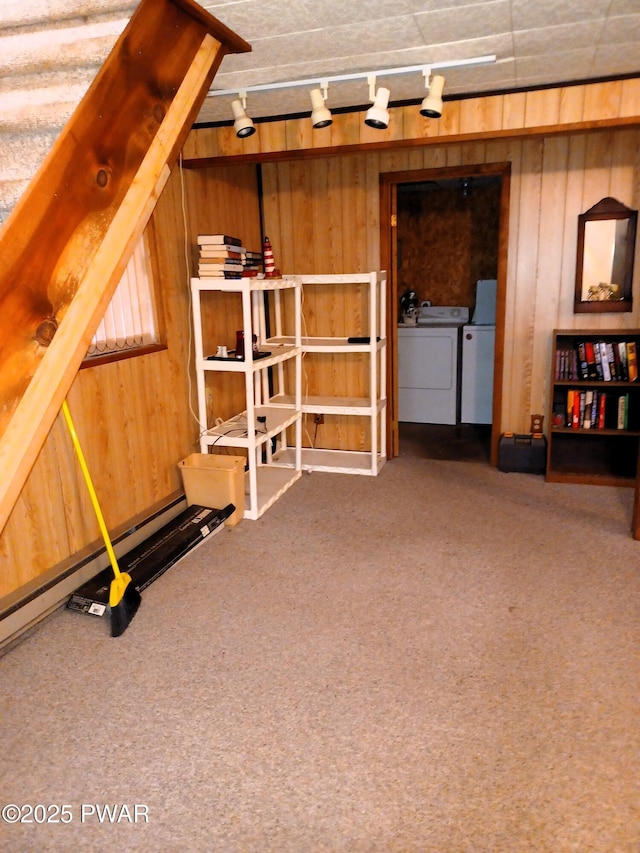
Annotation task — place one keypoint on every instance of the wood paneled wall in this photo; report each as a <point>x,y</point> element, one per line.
<point>447,240</point>
<point>552,181</point>
<point>133,416</point>
<point>223,200</point>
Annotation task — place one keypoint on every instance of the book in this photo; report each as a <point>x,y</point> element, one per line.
<point>567,363</point>
<point>582,409</point>
<point>588,404</point>
<point>575,415</point>
<point>221,259</point>
<point>590,357</point>
<point>218,239</point>
<point>221,254</point>
<point>602,409</point>
<point>623,409</point>
<point>606,373</point>
<point>598,357</point>
<point>612,362</point>
<point>232,266</point>
<point>222,247</point>
<point>622,355</point>
<point>582,360</point>
<point>632,361</point>
<point>569,409</point>
<point>594,409</point>
<point>202,273</point>
<point>220,274</point>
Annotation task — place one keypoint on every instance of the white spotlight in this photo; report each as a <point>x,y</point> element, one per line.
<point>320,115</point>
<point>378,115</point>
<point>432,104</point>
<point>243,125</point>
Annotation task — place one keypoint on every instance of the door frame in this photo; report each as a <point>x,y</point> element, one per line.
<point>389,182</point>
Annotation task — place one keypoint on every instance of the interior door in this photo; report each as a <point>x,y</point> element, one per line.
<point>389,183</point>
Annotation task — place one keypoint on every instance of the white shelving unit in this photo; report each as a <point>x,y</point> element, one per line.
<point>273,466</point>
<point>373,407</point>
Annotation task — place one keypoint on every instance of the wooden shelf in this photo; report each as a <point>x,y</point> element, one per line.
<point>602,453</point>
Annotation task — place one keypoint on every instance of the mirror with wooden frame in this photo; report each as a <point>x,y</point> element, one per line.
<point>604,265</point>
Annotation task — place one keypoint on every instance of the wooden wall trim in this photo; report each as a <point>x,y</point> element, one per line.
<point>566,109</point>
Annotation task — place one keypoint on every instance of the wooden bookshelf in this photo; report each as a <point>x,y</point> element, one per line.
<point>594,409</point>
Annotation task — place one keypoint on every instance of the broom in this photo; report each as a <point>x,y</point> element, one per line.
<point>124,598</point>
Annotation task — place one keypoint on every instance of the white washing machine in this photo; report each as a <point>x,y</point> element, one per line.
<point>429,363</point>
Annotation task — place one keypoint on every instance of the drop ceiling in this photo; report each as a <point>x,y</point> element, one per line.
<point>536,43</point>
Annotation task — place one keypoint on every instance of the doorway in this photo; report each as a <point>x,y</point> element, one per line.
<point>442,231</point>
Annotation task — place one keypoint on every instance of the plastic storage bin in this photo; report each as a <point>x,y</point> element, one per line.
<point>215,480</point>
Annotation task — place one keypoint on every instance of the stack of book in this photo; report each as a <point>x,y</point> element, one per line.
<point>592,408</point>
<point>598,360</point>
<point>251,264</point>
<point>220,256</point>
<point>566,362</point>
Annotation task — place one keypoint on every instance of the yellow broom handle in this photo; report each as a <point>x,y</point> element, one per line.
<point>92,491</point>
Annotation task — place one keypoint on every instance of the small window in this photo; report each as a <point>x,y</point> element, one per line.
<point>130,320</point>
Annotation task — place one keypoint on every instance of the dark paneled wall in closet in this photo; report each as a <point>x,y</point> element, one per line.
<point>448,238</point>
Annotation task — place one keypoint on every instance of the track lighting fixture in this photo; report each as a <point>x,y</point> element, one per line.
<point>432,104</point>
<point>320,115</point>
<point>243,125</point>
<point>377,115</point>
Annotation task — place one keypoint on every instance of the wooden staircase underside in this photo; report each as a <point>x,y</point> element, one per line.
<point>65,245</point>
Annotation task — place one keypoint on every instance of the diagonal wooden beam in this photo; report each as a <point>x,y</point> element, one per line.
<point>67,242</point>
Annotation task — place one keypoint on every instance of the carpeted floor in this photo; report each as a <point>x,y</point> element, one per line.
<point>442,659</point>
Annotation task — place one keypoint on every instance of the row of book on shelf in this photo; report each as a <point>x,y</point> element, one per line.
<point>591,409</point>
<point>603,361</point>
<point>224,256</point>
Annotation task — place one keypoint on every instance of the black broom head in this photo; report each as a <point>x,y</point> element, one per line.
<point>123,612</point>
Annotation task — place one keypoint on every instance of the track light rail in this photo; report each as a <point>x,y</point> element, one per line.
<point>322,80</point>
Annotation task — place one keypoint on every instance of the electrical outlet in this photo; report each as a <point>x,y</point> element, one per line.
<point>318,419</point>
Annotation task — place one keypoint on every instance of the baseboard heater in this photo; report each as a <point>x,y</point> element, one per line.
<point>151,558</point>
<point>24,608</point>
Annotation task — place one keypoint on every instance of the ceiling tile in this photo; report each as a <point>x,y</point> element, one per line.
<point>465,22</point>
<point>555,40</point>
<point>264,19</point>
<point>572,65</point>
<point>528,15</point>
<point>624,30</point>
<point>287,53</point>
